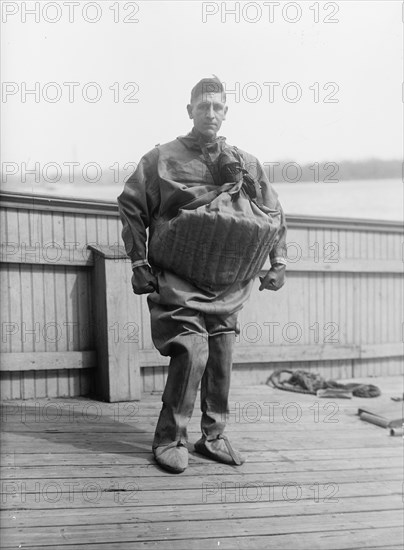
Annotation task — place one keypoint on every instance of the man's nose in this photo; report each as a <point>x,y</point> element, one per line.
<point>210,113</point>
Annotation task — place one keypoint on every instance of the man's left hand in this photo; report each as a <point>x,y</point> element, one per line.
<point>274,279</point>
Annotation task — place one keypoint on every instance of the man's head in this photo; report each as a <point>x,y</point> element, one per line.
<point>208,106</point>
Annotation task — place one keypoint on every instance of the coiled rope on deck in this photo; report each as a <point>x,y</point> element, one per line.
<point>301,381</point>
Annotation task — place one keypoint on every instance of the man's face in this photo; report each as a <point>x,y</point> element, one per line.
<point>208,111</point>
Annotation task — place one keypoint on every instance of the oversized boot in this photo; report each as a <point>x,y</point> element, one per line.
<point>188,362</point>
<point>215,389</point>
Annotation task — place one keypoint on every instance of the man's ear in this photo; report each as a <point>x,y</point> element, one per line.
<point>189,109</point>
<point>225,112</point>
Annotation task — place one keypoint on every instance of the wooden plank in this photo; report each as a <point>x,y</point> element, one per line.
<point>358,265</point>
<point>117,337</point>
<point>324,540</point>
<point>130,442</point>
<point>27,381</point>
<point>270,401</point>
<point>110,251</point>
<point>86,382</point>
<point>202,468</point>
<point>24,201</point>
<point>123,351</point>
<point>4,226</point>
<point>16,386</point>
<point>71,322</point>
<point>327,417</point>
<point>46,236</point>
<point>104,494</point>
<point>40,381</point>
<point>102,231</point>
<point>53,328</point>
<point>197,482</point>
<point>73,380</point>
<point>142,456</point>
<point>293,352</point>
<point>84,310</point>
<point>206,511</point>
<point>90,232</point>
<point>145,531</point>
<point>5,386</point>
<point>255,437</point>
<point>7,325</point>
<point>61,299</point>
<point>50,254</point>
<point>171,531</point>
<point>115,230</point>
<point>29,329</point>
<point>17,362</point>
<point>50,290</point>
<point>375,351</point>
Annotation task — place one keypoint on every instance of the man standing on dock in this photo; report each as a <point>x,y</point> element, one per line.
<point>213,220</point>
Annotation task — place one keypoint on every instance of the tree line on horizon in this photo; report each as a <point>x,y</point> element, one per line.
<point>369,169</point>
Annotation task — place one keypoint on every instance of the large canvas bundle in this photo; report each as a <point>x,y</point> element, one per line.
<point>216,239</point>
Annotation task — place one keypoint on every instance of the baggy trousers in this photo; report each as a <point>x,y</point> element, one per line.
<point>201,349</point>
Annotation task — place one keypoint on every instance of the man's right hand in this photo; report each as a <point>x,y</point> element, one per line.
<point>143,280</point>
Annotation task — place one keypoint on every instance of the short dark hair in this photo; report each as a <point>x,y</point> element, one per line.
<point>208,86</point>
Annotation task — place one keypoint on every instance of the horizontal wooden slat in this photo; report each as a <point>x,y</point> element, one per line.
<point>348,266</point>
<point>39,361</point>
<point>45,203</point>
<point>394,349</point>
<point>152,358</point>
<point>113,252</point>
<point>49,255</point>
<point>294,352</point>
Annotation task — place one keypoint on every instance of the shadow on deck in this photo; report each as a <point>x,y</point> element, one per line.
<point>80,474</point>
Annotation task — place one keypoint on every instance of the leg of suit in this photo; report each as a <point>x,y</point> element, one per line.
<point>181,334</point>
<point>188,361</point>
<point>215,384</point>
<point>215,388</point>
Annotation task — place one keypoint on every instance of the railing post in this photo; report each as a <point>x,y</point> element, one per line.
<point>118,374</point>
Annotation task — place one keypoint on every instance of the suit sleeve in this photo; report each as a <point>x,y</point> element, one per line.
<point>270,198</point>
<point>137,203</point>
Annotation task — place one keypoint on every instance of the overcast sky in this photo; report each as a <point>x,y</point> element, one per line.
<point>357,59</point>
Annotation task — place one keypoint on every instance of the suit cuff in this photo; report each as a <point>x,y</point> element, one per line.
<point>139,263</point>
<point>278,260</point>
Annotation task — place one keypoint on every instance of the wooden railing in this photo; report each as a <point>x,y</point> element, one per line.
<point>71,324</point>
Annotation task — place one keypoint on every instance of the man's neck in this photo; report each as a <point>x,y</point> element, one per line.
<point>202,137</point>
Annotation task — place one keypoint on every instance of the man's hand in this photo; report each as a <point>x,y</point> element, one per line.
<point>143,280</point>
<point>274,279</point>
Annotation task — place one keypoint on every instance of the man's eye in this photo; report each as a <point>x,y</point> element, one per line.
<point>206,107</point>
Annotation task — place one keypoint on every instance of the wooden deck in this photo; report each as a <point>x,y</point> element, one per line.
<point>79,474</point>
